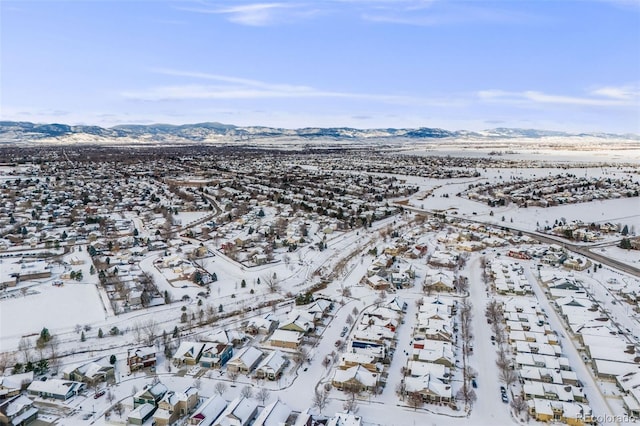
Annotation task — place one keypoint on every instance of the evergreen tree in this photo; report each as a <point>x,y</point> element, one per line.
<point>100,333</point>
<point>112,359</point>
<point>82,337</point>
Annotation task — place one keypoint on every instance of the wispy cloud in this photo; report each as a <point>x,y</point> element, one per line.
<point>603,97</point>
<point>628,92</point>
<point>258,14</point>
<point>231,87</point>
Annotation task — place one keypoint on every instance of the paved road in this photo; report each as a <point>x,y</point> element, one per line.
<point>548,239</point>
<point>489,406</point>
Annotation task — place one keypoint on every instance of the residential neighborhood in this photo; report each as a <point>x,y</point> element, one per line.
<point>269,288</point>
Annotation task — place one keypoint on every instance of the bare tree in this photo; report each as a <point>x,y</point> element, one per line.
<point>326,361</point>
<point>271,282</point>
<point>118,408</point>
<point>54,359</point>
<point>351,404</point>
<point>233,375</point>
<point>220,388</point>
<point>6,360</point>
<point>349,319</point>
<point>320,399</point>
<point>494,311</point>
<point>25,347</point>
<point>137,330</point>
<point>519,404</point>
<point>262,395</point>
<point>508,376</point>
<point>246,392</point>
<point>467,395</point>
<point>415,400</point>
<point>150,331</point>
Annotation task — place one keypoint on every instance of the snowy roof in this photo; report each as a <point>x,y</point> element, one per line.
<point>274,361</point>
<point>345,419</point>
<point>55,386</point>
<point>141,411</point>
<point>15,381</point>
<point>286,336</point>
<point>249,356</point>
<point>357,373</point>
<point>241,410</point>
<point>12,406</point>
<point>209,411</point>
<point>274,414</point>
<point>188,350</point>
<point>427,384</point>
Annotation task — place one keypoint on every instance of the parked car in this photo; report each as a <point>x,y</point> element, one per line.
<point>504,398</point>
<point>474,383</point>
<point>99,393</point>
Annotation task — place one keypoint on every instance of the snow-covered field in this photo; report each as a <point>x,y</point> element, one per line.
<point>630,257</point>
<point>57,308</point>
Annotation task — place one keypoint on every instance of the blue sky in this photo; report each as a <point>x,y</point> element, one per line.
<point>552,64</point>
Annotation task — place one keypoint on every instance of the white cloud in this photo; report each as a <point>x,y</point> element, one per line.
<point>607,97</point>
<point>629,92</point>
<point>258,14</point>
<point>231,87</point>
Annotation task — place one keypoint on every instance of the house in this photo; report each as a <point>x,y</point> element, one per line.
<point>436,371</point>
<point>239,412</point>
<point>141,358</point>
<point>377,282</point>
<point>272,366</point>
<point>345,419</point>
<point>225,336</point>
<point>275,414</point>
<point>396,304</point>
<point>17,411</point>
<point>141,414</point>
<point>188,353</point>
<point>261,325</point>
<point>14,384</point>
<point>208,411</point>
<point>245,361</point>
<point>574,414</point>
<point>174,405</point>
<point>350,359</point>
<point>216,355</point>
<point>150,394</point>
<point>299,320</point>
<point>55,388</point>
<point>431,390</point>
<point>286,339</point>
<point>436,352</point>
<point>90,373</point>
<point>355,378</point>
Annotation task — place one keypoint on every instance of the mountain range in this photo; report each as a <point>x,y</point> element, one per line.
<point>16,132</point>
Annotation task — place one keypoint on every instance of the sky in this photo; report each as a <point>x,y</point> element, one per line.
<point>474,65</point>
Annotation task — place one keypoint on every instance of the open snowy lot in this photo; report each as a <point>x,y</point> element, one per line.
<point>57,308</point>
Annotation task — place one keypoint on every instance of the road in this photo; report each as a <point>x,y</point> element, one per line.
<point>583,250</point>
<point>489,405</point>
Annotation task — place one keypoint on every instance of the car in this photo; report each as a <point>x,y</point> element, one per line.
<point>474,383</point>
<point>493,338</point>
<point>343,333</point>
<point>99,393</point>
<point>503,390</point>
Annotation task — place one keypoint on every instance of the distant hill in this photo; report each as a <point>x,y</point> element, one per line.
<point>14,131</point>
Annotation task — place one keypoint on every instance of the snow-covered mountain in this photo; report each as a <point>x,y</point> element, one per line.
<point>12,131</point>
